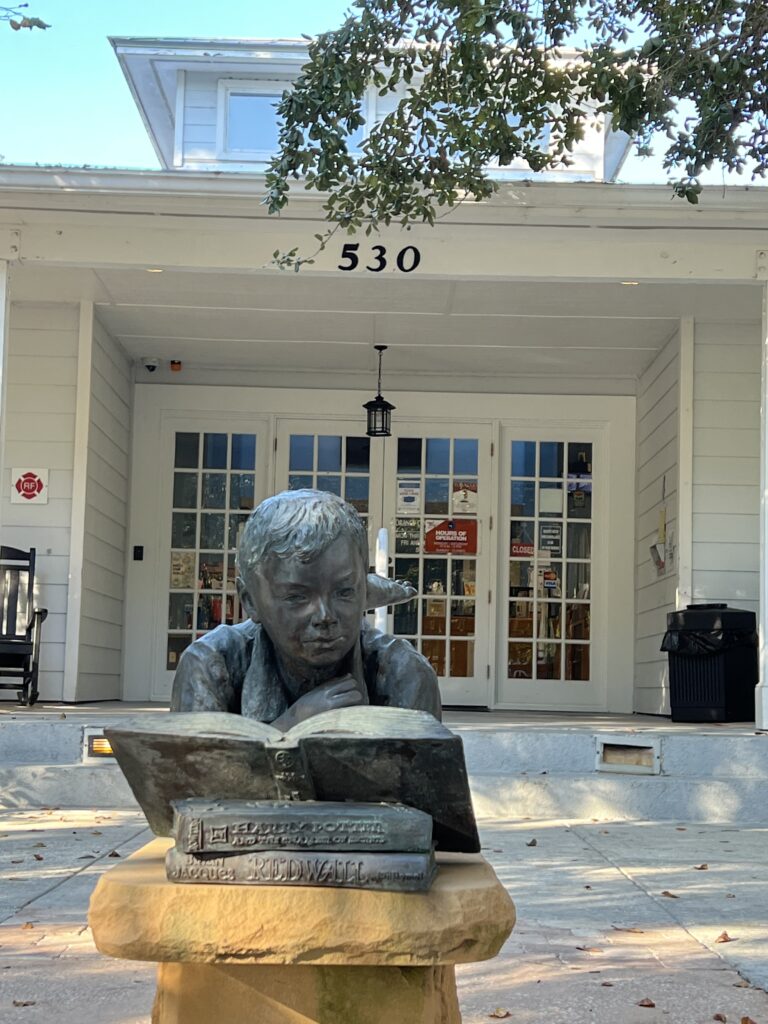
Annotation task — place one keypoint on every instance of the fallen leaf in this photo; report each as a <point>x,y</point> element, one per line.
<point>62,715</point>
<point>87,856</point>
<point>24,1002</point>
<point>721,1017</point>
<point>37,846</point>
<point>587,886</point>
<point>646,1002</point>
<point>113,853</point>
<point>589,949</point>
<point>533,842</point>
<point>679,828</point>
<point>38,856</point>
<point>500,1013</point>
<point>27,925</point>
<point>95,832</point>
<point>635,931</point>
<point>724,937</point>
<point>741,984</point>
<point>606,984</point>
<point>670,895</point>
<point>747,1020</point>
<point>701,867</point>
<point>17,861</point>
<point>730,895</point>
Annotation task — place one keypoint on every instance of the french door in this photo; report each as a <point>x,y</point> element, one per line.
<point>551,585</point>
<point>218,475</point>
<point>429,486</point>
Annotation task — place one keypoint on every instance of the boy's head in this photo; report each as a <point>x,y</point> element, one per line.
<point>302,566</point>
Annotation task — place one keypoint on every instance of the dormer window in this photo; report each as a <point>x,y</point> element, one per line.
<point>247,119</point>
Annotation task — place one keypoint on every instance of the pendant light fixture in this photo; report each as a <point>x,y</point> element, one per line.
<point>379,410</point>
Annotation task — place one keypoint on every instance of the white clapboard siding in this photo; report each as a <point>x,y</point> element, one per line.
<point>200,113</point>
<point>101,613</point>
<point>726,467</point>
<point>657,474</point>
<point>39,424</point>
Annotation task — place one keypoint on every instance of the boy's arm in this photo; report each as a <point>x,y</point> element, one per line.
<point>203,681</point>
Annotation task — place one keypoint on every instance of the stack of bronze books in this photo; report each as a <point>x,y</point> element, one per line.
<point>307,842</point>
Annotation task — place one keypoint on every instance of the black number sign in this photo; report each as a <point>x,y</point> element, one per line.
<point>406,261</point>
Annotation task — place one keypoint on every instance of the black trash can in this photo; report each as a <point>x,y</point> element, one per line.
<point>712,663</point>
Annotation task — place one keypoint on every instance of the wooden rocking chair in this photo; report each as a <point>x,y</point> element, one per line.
<point>20,623</point>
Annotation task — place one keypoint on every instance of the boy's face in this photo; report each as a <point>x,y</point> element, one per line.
<point>312,610</point>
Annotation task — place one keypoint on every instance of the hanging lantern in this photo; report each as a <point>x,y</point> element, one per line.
<point>379,410</point>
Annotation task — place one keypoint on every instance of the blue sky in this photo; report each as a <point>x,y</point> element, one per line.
<point>65,101</point>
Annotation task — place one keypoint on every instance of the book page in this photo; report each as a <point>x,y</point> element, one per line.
<point>198,723</point>
<point>391,723</point>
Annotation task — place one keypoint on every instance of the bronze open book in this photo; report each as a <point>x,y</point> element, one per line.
<point>361,754</point>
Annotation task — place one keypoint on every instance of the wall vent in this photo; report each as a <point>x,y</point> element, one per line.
<point>628,754</point>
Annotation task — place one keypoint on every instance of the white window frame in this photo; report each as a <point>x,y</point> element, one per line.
<point>256,86</point>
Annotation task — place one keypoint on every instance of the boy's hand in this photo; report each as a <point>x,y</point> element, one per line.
<point>338,693</point>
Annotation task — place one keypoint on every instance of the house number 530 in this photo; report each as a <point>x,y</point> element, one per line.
<point>406,260</point>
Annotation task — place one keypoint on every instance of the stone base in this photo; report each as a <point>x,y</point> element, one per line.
<point>297,954</point>
<point>245,994</point>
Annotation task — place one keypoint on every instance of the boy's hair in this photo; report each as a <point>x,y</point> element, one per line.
<point>298,524</point>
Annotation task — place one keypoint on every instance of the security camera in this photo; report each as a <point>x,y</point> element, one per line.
<point>150,364</point>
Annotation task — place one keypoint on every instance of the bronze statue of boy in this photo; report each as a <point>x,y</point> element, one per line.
<point>304,649</point>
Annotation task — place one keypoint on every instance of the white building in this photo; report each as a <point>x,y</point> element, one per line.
<point>575,365</point>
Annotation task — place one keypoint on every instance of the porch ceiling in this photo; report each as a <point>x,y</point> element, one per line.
<point>495,330</point>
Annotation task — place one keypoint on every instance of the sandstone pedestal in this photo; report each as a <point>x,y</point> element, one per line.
<point>297,955</point>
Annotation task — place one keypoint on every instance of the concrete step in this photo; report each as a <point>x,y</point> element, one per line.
<point>532,772</point>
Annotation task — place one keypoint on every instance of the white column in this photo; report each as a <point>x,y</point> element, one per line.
<point>79,484</point>
<point>382,569</point>
<point>5,311</point>
<point>761,693</point>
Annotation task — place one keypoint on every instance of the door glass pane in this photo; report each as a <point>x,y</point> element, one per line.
<point>185,490</point>
<point>551,458</point>
<point>243,451</point>
<point>463,577</point>
<point>211,530</point>
<point>300,483</point>
<point>433,622</point>
<point>438,455</point>
<point>301,453</point>
<point>462,659</point>
<point>435,575</point>
<point>329,454</point>
<point>187,451</point>
<point>465,456</point>
<point>548,657</point>
<point>183,527</point>
<point>523,498</point>
<point>434,652</point>
<point>579,540</point>
<point>214,490</point>
<point>523,458</point>
<point>546,524</point>
<point>329,483</point>
<point>579,460</point>
<point>358,454</point>
<point>214,451</point>
<point>241,490</point>
<point>180,607</point>
<point>577,661</point>
<point>462,618</point>
<point>356,492</point>
<point>520,661</point>
<point>406,618</point>
<point>409,455</point>
<point>436,500</point>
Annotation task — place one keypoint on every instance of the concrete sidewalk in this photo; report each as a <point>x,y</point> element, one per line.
<point>609,915</point>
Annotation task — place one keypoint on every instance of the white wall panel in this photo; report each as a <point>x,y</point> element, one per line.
<point>103,584</point>
<point>726,469</point>
<point>657,476</point>
<point>42,373</point>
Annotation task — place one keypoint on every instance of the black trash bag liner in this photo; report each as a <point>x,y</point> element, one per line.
<point>706,641</point>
